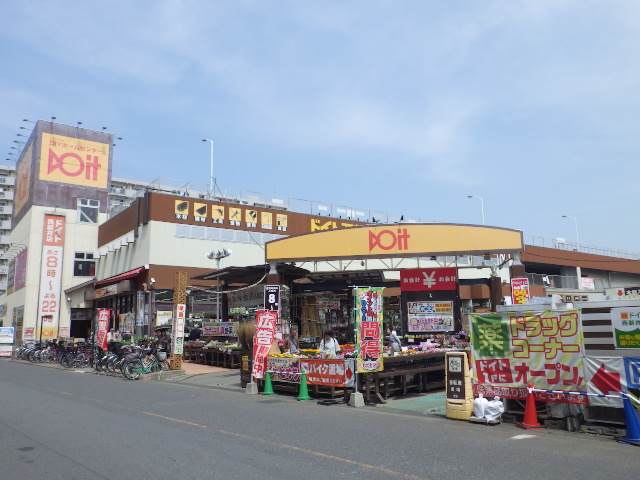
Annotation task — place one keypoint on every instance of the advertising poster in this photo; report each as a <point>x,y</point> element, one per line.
<point>369,324</point>
<point>626,327</point>
<point>519,290</point>
<point>163,318</point>
<point>430,316</point>
<point>511,350</point>
<point>609,376</point>
<point>264,334</point>
<point>51,276</point>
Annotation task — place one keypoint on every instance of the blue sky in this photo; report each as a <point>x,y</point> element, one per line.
<point>396,106</point>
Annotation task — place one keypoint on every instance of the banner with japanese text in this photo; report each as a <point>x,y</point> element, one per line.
<point>177,331</point>
<point>213,329</point>
<point>104,316</point>
<point>330,372</point>
<point>51,276</point>
<point>512,350</point>
<point>368,325</point>
<point>262,339</point>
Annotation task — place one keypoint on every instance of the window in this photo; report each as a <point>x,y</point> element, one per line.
<point>88,210</point>
<point>84,265</point>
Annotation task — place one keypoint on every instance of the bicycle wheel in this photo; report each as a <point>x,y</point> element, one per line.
<point>164,366</point>
<point>48,356</point>
<point>132,370</point>
<point>111,363</point>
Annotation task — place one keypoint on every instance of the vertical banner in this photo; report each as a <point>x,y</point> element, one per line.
<point>368,324</point>
<point>104,314</point>
<point>545,348</point>
<point>520,290</point>
<point>272,298</point>
<point>51,275</point>
<point>177,336</point>
<point>265,332</point>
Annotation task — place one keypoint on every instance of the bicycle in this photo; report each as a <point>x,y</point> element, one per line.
<point>145,361</point>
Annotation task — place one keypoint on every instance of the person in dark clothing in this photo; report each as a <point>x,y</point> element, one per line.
<point>195,333</point>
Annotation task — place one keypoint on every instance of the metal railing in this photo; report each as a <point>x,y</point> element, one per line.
<point>565,282</point>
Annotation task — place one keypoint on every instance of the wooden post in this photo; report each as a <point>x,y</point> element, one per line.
<point>179,297</point>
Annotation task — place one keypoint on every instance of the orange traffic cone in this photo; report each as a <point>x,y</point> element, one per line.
<point>530,420</point>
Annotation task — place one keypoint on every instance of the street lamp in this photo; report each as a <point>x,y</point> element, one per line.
<point>481,205</point>
<point>211,171</point>
<point>217,256</point>
<point>575,221</point>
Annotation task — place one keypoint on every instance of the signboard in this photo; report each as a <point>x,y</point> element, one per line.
<point>328,303</point>
<point>587,283</point>
<point>511,350</point>
<point>430,316</point>
<point>163,318</point>
<point>51,275</point>
<point>104,315</point>
<point>368,325</point>
<point>74,161</point>
<point>262,339</point>
<point>272,298</point>
<point>177,333</point>
<point>6,334</point>
<point>20,270</point>
<point>626,327</point>
<point>106,291</point>
<point>213,329</point>
<point>519,290</point>
<point>330,372</point>
<point>428,279</point>
<point>455,374</point>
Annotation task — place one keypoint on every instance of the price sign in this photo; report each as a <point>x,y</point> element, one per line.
<point>272,298</point>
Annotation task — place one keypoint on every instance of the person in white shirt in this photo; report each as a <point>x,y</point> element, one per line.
<point>329,346</point>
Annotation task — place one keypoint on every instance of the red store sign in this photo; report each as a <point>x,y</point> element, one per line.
<point>428,279</point>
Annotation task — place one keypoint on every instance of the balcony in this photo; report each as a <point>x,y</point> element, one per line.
<point>6,209</point>
<point>4,180</point>
<point>5,240</point>
<point>6,195</point>
<point>3,285</point>
<point>4,270</point>
<point>561,282</point>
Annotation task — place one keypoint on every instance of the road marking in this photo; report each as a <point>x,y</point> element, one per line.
<point>324,455</point>
<point>523,436</point>
<point>264,441</point>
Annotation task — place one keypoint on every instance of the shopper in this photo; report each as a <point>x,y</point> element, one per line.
<point>395,343</point>
<point>329,346</point>
<point>291,342</point>
<point>195,333</point>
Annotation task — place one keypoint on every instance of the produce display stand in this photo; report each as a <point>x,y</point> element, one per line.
<point>418,373</point>
<point>213,356</point>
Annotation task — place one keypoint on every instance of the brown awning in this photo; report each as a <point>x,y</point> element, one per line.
<point>121,276</point>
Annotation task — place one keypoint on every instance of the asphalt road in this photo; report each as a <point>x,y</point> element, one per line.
<point>61,424</point>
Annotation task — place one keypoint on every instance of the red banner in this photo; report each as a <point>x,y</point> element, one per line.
<point>104,314</point>
<point>428,279</point>
<point>265,332</point>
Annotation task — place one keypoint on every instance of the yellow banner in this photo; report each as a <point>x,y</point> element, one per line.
<point>74,161</point>
<point>23,181</point>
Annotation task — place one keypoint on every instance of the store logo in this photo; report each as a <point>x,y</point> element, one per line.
<point>387,240</point>
<point>71,165</point>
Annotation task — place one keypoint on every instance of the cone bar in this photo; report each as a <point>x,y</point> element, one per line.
<point>530,420</point>
<point>268,388</point>
<point>631,421</point>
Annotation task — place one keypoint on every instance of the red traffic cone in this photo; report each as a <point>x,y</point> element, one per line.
<point>530,420</point>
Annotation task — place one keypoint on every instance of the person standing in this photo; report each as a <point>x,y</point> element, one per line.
<point>291,342</point>
<point>329,346</point>
<point>395,343</point>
